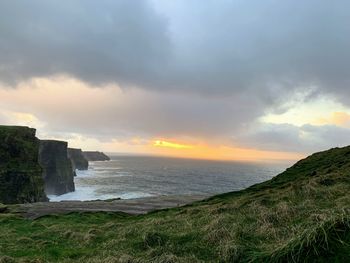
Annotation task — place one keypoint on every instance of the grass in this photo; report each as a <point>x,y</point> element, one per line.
<point>302,215</point>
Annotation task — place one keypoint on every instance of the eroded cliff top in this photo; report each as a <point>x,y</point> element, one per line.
<point>18,146</point>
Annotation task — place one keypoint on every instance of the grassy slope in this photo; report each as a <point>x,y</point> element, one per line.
<point>302,214</point>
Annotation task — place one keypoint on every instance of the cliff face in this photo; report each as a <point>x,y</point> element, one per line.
<point>57,168</point>
<point>96,156</point>
<point>20,173</point>
<point>78,160</point>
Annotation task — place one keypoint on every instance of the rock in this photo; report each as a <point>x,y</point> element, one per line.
<point>20,173</point>
<point>57,168</point>
<point>78,160</point>
<point>96,156</point>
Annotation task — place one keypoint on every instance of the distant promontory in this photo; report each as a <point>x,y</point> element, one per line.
<point>95,156</point>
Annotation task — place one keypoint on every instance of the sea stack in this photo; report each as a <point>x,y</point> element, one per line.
<point>95,156</point>
<point>78,160</point>
<point>20,173</point>
<point>57,168</point>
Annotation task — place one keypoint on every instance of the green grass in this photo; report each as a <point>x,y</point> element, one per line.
<point>302,215</point>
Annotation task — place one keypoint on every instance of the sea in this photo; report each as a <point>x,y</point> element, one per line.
<point>129,177</point>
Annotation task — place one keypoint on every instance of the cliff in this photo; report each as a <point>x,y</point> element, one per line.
<point>77,158</point>
<point>57,168</point>
<point>96,156</point>
<point>20,174</point>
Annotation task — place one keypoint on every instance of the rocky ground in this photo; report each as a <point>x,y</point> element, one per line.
<point>131,206</point>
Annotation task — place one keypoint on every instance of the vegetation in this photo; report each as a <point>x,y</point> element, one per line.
<point>302,214</point>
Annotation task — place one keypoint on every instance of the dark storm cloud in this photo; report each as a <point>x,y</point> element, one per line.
<point>96,41</point>
<point>215,47</point>
<point>266,46</point>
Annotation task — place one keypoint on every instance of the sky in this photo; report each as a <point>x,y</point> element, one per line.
<point>215,79</point>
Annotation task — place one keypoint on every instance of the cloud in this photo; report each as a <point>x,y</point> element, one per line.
<point>286,137</point>
<point>99,42</point>
<point>19,118</point>
<point>70,105</point>
<point>338,118</point>
<point>261,48</point>
<point>128,120</point>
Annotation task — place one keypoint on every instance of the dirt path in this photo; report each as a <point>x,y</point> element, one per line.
<point>131,206</point>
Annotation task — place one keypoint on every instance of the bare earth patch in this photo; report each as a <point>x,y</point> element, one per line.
<point>131,206</point>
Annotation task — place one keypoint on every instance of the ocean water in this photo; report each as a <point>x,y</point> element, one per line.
<point>135,176</point>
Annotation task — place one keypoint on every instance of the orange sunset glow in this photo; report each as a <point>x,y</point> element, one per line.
<point>160,143</point>
<point>217,152</point>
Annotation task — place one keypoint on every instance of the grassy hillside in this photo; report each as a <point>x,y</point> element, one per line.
<point>302,214</point>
